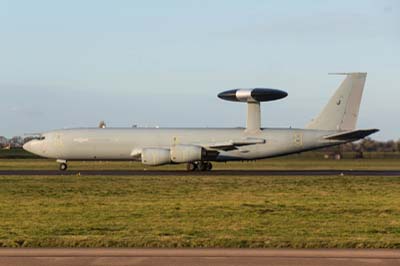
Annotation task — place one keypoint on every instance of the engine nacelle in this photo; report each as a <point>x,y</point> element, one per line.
<point>187,153</point>
<point>156,156</point>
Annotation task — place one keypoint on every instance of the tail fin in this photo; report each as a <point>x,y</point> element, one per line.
<point>341,112</point>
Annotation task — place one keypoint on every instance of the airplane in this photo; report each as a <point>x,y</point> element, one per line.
<point>199,147</point>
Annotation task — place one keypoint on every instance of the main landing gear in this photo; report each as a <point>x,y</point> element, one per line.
<point>199,166</point>
<point>63,165</point>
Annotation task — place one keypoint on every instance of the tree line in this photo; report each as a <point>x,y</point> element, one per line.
<point>370,145</point>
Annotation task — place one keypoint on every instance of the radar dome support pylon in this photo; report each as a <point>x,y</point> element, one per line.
<point>253,122</point>
<point>253,97</point>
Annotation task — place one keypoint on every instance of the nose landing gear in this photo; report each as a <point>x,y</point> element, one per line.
<point>63,165</point>
<point>199,166</point>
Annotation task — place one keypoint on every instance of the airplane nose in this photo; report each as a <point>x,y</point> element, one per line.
<point>31,146</point>
<point>27,146</point>
<point>36,146</point>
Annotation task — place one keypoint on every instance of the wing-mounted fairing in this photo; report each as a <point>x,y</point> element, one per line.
<point>253,97</point>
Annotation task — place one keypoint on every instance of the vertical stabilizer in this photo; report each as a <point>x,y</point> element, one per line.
<point>341,112</point>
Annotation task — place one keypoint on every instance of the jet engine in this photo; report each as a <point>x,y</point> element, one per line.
<point>156,156</point>
<point>176,154</point>
<point>187,153</point>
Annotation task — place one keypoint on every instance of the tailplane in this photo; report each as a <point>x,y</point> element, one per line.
<point>341,112</point>
<point>352,135</point>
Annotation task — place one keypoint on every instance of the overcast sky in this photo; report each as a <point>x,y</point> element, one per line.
<point>162,63</point>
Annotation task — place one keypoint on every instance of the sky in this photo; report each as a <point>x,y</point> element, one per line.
<point>161,63</point>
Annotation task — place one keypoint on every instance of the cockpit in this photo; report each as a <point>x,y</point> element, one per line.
<point>38,137</point>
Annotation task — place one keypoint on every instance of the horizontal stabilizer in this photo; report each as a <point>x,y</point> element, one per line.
<point>233,144</point>
<point>352,135</point>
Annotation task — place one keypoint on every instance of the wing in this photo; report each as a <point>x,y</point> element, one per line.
<point>212,149</point>
<point>234,144</point>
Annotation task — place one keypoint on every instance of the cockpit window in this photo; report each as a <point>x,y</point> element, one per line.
<point>41,138</point>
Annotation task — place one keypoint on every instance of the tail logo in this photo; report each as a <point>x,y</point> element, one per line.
<point>339,101</point>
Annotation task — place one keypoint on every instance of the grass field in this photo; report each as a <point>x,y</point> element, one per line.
<point>200,211</point>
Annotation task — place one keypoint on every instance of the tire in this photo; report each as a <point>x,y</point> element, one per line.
<point>191,167</point>
<point>63,166</point>
<point>202,166</point>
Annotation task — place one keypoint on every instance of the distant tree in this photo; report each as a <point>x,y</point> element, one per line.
<point>16,142</point>
<point>390,146</point>
<point>3,142</point>
<point>367,145</point>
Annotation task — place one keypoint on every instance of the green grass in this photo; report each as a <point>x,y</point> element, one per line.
<point>16,153</point>
<point>292,162</point>
<point>200,211</point>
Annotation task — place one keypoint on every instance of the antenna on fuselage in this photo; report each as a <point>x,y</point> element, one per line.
<point>253,97</point>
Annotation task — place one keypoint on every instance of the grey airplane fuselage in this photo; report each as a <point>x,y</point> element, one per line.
<point>119,143</point>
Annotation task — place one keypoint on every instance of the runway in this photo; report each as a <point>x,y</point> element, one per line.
<point>212,173</point>
<point>219,257</point>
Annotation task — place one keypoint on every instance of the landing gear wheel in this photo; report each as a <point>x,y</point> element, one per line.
<point>191,167</point>
<point>63,166</point>
<point>209,166</point>
<point>202,166</point>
